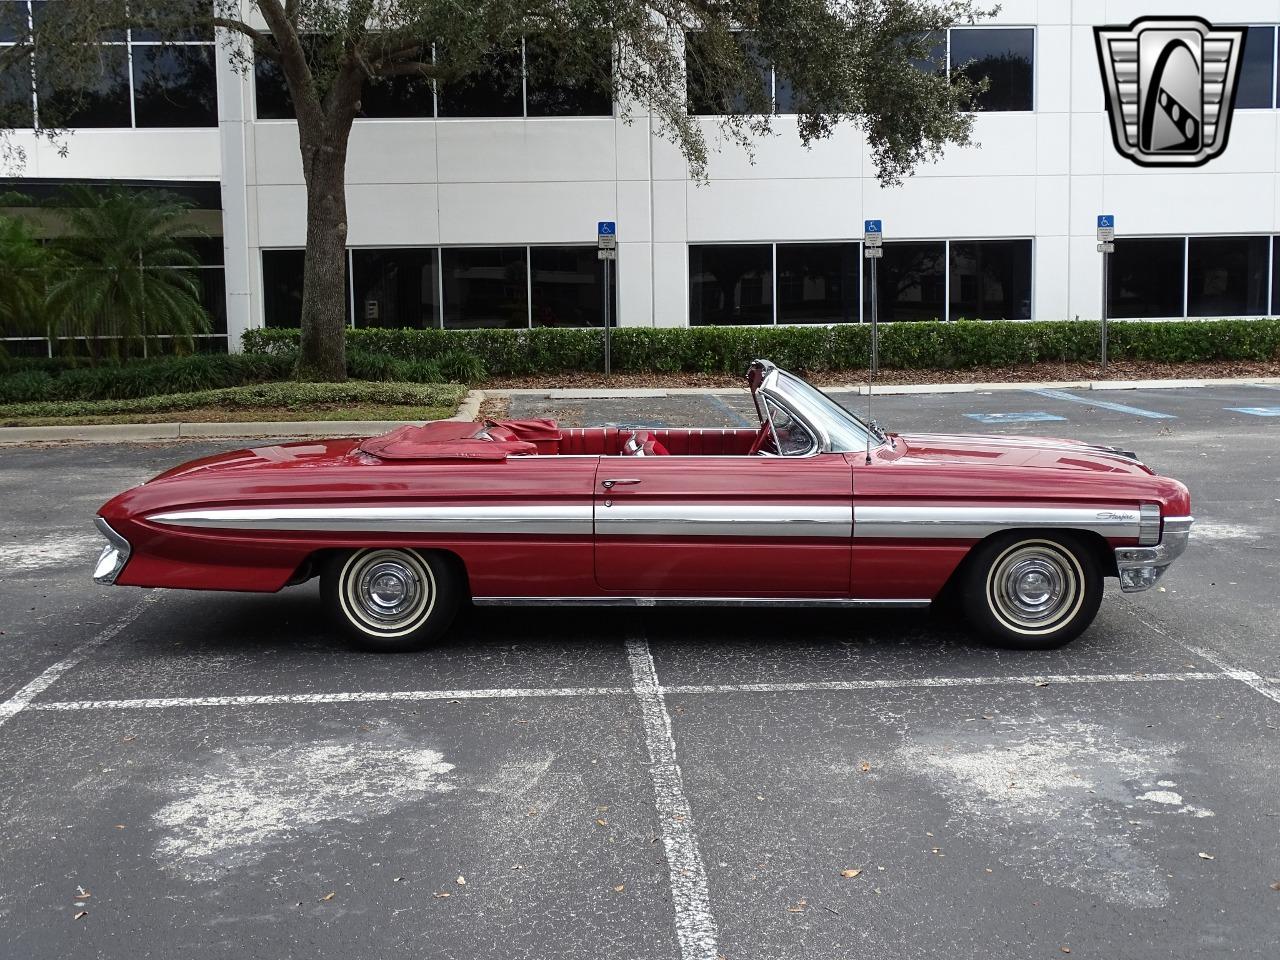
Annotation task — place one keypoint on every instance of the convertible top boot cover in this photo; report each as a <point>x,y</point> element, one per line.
<point>444,440</point>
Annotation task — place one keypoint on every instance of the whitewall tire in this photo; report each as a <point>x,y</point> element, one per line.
<point>389,599</point>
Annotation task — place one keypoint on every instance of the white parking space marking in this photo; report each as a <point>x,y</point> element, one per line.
<point>1256,411</point>
<point>817,686</point>
<point>364,696</point>
<point>1268,687</point>
<point>695,926</point>
<point>1104,404</point>
<point>21,700</point>
<point>908,683</point>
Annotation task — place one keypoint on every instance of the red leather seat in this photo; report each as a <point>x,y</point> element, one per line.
<point>642,443</point>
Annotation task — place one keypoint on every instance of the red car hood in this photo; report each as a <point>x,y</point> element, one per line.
<point>1048,452</point>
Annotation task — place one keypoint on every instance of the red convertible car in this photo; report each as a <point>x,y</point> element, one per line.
<point>815,507</point>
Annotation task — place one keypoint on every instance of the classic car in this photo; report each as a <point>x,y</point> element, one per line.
<point>815,507</point>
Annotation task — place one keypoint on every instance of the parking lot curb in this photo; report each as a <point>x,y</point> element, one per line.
<point>469,408</point>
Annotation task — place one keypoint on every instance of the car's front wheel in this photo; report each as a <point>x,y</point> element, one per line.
<point>1031,592</point>
<point>391,600</point>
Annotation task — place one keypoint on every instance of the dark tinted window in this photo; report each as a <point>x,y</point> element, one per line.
<point>1256,84</point>
<point>170,22</point>
<point>1275,276</point>
<point>990,280</point>
<point>554,89</point>
<point>935,60</point>
<point>485,287</point>
<point>1002,55</point>
<point>174,86</point>
<point>911,281</point>
<point>399,97</point>
<point>395,288</point>
<point>15,94</point>
<point>730,284</point>
<point>1227,276</point>
<point>568,287</point>
<point>495,90</point>
<point>817,282</point>
<point>270,91</point>
<point>213,297</point>
<point>103,103</point>
<point>282,287</point>
<point>707,98</point>
<point>1146,278</point>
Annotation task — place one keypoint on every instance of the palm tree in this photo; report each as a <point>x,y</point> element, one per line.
<point>126,271</point>
<point>23,265</point>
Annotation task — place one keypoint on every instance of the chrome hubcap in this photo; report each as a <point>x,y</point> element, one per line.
<point>387,592</point>
<point>1033,587</point>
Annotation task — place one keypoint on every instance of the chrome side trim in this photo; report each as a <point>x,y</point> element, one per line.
<point>693,602</point>
<point>974,523</point>
<point>557,519</point>
<point>624,518</point>
<point>1140,568</point>
<point>114,555</point>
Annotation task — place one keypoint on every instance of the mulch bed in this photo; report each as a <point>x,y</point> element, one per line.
<point>1117,370</point>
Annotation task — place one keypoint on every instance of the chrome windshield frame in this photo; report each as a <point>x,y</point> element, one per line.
<point>787,390</point>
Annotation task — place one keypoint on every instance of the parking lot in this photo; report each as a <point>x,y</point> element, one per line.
<point>194,775</point>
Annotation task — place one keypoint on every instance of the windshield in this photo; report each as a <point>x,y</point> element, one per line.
<point>846,431</point>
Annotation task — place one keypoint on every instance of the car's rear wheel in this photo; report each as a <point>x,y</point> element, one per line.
<point>1031,592</point>
<point>391,600</point>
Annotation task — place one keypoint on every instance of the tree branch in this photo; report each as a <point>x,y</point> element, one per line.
<point>236,26</point>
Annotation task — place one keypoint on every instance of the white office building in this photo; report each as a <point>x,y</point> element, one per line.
<point>477,206</point>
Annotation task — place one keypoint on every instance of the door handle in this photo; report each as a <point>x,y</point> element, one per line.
<point>610,484</point>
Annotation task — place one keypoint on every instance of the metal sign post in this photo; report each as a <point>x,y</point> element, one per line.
<point>1106,247</point>
<point>607,252</point>
<point>873,250</point>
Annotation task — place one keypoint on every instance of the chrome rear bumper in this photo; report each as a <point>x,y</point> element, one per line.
<point>114,555</point>
<point>1141,568</point>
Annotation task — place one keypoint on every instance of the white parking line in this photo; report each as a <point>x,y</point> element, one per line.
<point>516,693</point>
<point>1052,679</point>
<point>363,696</point>
<point>1268,687</point>
<point>22,699</point>
<point>695,926</point>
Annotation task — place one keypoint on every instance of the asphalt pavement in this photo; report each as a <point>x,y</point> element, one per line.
<point>203,775</point>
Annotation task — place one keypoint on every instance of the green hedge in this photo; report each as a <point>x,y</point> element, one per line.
<point>306,396</point>
<point>926,345</point>
<point>142,378</point>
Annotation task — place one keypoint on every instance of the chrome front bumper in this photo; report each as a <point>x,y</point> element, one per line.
<point>1141,568</point>
<point>114,555</point>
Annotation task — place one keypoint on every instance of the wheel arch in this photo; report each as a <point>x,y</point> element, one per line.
<point>313,564</point>
<point>1093,544</point>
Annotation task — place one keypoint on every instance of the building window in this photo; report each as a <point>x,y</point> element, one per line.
<point>818,282</point>
<point>1275,276</point>
<point>174,86</point>
<point>1146,278</point>
<point>485,287</point>
<point>1256,85</point>
<point>139,81</point>
<point>567,288</point>
<point>1002,55</point>
<point>730,284</point>
<point>1227,276</point>
<point>282,287</point>
<point>911,281</point>
<point>527,81</point>
<point>494,90</point>
<point>396,287</point>
<point>990,280</point>
<point>706,98</point>
<point>556,89</point>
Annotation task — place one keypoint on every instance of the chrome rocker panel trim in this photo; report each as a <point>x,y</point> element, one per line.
<point>975,523</point>
<point>1140,568</point>
<point>114,555</point>
<point>694,602</point>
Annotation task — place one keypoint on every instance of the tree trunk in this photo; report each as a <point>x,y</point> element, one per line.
<point>324,293</point>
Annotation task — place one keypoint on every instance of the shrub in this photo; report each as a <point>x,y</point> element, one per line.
<point>962,344</point>
<point>25,386</point>
<point>459,366</point>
